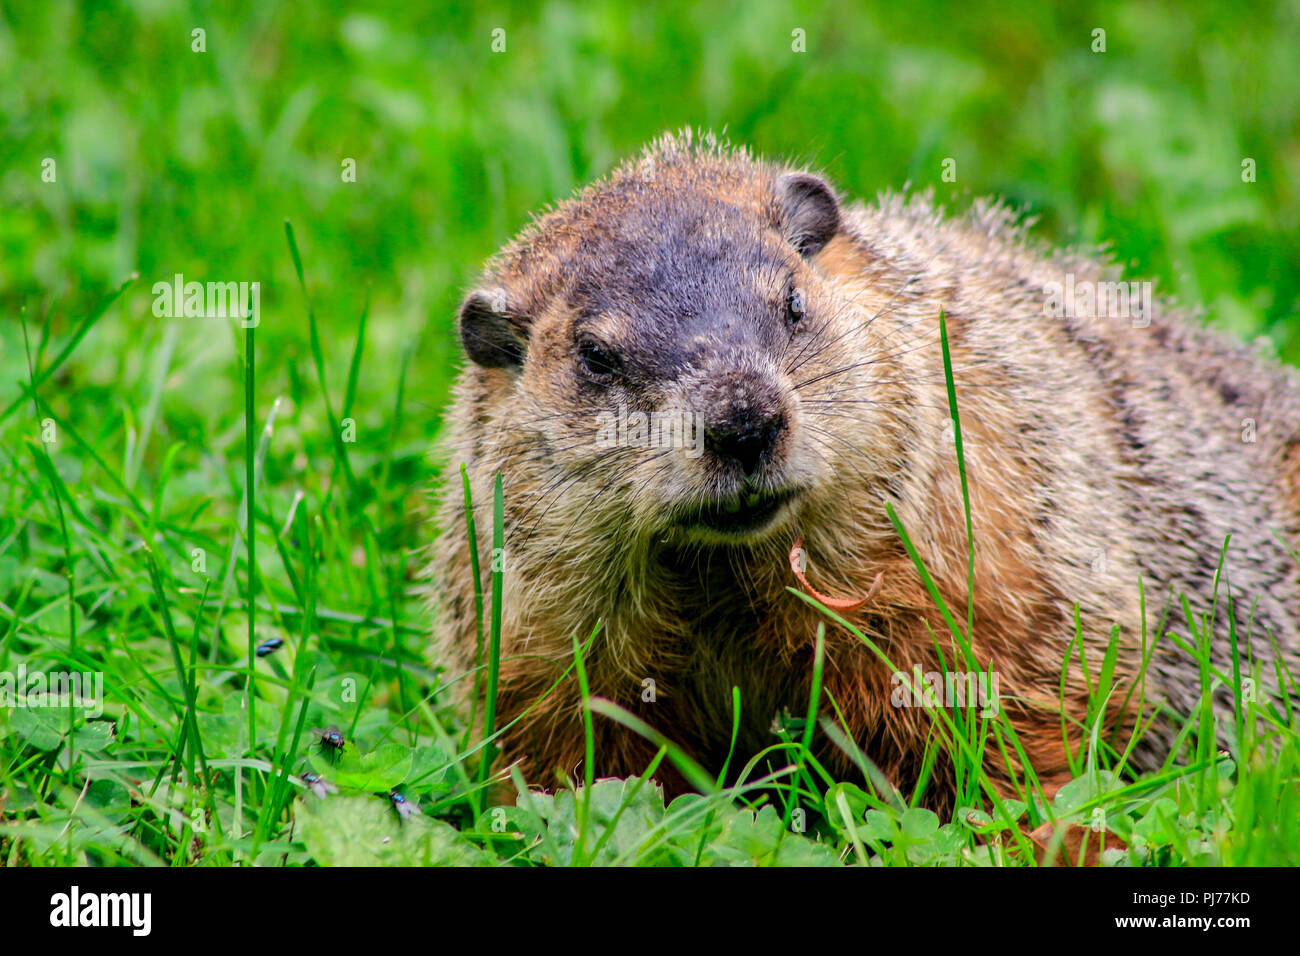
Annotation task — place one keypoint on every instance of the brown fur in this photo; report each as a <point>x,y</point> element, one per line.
<point>1098,453</point>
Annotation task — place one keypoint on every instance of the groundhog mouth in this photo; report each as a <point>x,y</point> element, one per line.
<point>740,514</point>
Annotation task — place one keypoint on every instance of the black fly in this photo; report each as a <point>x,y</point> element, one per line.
<point>269,646</point>
<point>318,785</point>
<point>331,739</point>
<point>405,809</point>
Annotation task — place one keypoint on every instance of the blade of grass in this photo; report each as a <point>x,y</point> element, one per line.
<point>476,572</point>
<point>69,347</point>
<point>494,649</point>
<point>250,534</point>
<point>961,470</point>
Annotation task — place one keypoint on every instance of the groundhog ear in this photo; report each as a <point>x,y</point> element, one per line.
<point>493,335</point>
<point>810,213</point>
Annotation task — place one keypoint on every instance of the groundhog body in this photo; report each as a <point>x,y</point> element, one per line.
<point>1111,447</point>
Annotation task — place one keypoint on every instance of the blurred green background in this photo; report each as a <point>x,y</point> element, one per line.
<point>174,161</point>
<point>169,160</point>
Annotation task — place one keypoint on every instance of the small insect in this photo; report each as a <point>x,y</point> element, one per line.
<point>405,809</point>
<point>269,646</point>
<point>331,739</point>
<point>318,785</point>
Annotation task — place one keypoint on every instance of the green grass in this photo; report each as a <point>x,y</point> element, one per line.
<point>194,463</point>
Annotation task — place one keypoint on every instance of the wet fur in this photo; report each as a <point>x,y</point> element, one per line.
<point>1097,453</point>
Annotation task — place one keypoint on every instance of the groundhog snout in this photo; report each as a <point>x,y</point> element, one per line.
<point>744,418</point>
<point>744,440</point>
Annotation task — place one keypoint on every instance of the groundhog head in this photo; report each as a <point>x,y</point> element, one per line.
<point>656,341</point>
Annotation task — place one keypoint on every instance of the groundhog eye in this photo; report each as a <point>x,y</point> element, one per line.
<point>598,360</point>
<point>794,306</point>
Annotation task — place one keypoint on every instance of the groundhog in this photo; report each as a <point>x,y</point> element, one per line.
<point>705,360</point>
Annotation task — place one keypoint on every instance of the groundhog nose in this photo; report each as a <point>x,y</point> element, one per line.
<point>746,442</point>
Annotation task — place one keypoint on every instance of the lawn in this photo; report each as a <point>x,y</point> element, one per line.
<point>359,167</point>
